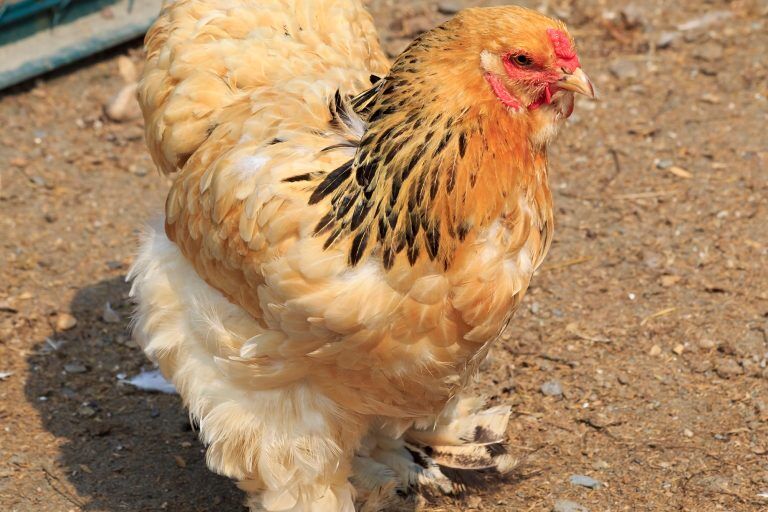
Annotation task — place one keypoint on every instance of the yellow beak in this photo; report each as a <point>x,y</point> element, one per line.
<point>578,82</point>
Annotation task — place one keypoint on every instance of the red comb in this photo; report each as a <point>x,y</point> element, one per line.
<point>563,49</point>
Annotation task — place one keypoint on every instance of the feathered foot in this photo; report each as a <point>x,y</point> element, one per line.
<point>462,448</point>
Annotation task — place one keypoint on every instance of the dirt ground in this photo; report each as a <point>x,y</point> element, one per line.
<point>639,359</point>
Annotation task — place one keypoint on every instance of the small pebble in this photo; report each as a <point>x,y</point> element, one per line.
<point>679,348</point>
<point>552,388</point>
<point>666,39</point>
<point>109,315</point>
<point>86,411</point>
<point>123,105</point>
<point>568,506</point>
<point>75,368</point>
<point>687,433</point>
<point>655,351</point>
<point>448,7</point>
<point>138,170</point>
<point>667,281</point>
<point>727,368</point>
<point>710,52</point>
<point>65,321</point>
<point>708,343</point>
<point>585,481</point>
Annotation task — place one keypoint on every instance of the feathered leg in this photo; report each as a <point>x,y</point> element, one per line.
<point>456,450</point>
<point>289,447</point>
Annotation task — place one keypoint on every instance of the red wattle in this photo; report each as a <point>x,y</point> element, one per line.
<point>501,92</point>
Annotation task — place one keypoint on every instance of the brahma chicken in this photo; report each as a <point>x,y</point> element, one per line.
<point>344,239</point>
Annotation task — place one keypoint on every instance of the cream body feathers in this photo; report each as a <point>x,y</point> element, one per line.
<point>292,359</point>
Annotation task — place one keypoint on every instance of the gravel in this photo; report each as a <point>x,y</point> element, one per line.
<point>65,322</point>
<point>585,481</point>
<point>552,388</point>
<point>568,506</point>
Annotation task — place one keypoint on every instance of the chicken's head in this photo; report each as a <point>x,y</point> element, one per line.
<point>512,58</point>
<point>530,62</point>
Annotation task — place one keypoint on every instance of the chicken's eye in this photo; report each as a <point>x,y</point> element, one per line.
<point>521,60</point>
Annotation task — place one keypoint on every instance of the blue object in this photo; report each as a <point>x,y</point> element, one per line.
<point>37,36</point>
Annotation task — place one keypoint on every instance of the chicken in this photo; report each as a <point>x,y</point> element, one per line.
<point>344,240</point>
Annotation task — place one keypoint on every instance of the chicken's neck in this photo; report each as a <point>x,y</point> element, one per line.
<point>426,180</point>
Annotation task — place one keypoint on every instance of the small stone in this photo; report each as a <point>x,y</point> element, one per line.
<point>123,105</point>
<point>708,343</point>
<point>624,69</point>
<point>109,315</point>
<point>679,349</point>
<point>655,351</point>
<point>664,163</point>
<point>115,265</point>
<point>727,368</point>
<point>700,364</point>
<point>585,481</point>
<point>65,322</point>
<point>568,506</point>
<point>687,433</point>
<point>680,172</point>
<point>448,7</point>
<point>86,411</point>
<point>552,388</point>
<point>667,281</point>
<point>666,39</point>
<point>709,52</point>
<point>75,368</point>
<point>138,170</point>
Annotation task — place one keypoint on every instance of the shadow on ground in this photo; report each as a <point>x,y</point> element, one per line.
<point>125,449</point>
<point>121,449</point>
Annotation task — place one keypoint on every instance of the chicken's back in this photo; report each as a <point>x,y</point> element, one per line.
<point>249,66</point>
